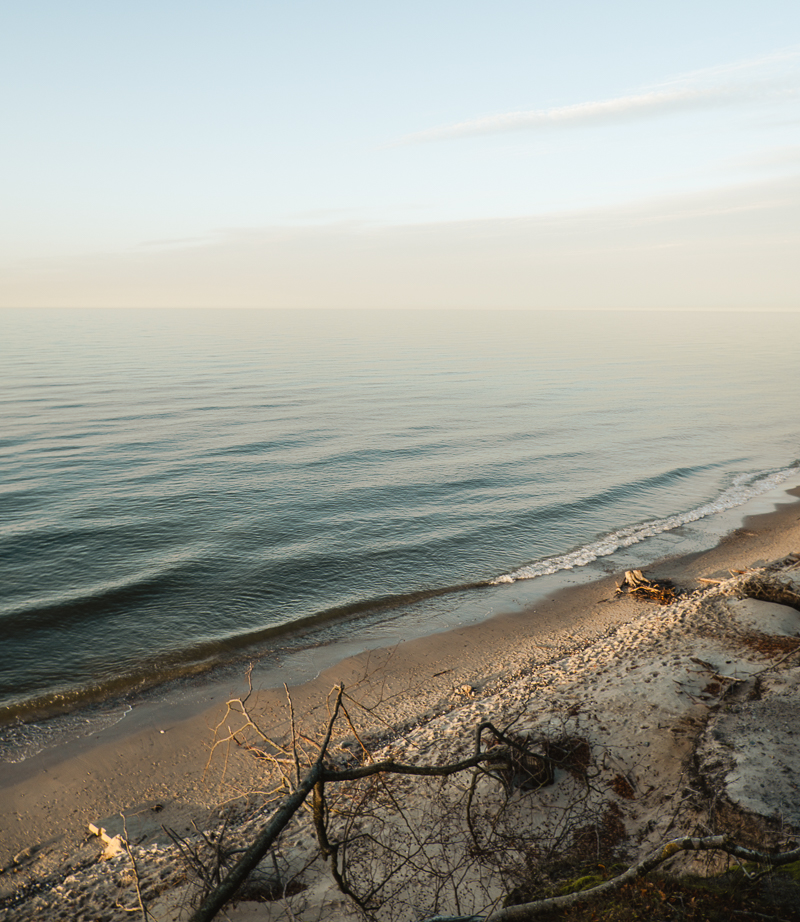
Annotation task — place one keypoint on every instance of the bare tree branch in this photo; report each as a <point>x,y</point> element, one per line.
<point>407,851</point>
<point>146,915</point>
<point>262,843</point>
<point>527,911</point>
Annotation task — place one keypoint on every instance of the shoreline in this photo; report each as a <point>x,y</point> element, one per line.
<point>157,754</point>
<point>323,636</point>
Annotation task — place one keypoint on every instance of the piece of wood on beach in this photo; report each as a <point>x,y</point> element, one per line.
<point>639,586</point>
<point>112,845</point>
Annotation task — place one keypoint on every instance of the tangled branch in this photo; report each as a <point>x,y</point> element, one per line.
<point>320,774</point>
<point>349,844</point>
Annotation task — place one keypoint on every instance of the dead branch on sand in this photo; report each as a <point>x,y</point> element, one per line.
<point>503,757</point>
<point>408,839</point>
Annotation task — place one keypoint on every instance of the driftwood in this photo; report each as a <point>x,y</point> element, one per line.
<point>768,587</point>
<point>637,585</point>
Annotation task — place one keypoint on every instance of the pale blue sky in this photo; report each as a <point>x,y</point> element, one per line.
<point>414,154</point>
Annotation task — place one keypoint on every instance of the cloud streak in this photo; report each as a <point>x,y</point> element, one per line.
<point>698,90</point>
<point>622,107</point>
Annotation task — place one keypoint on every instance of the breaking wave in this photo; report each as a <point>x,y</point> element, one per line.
<point>743,488</point>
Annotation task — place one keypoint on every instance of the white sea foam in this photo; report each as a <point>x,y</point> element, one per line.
<point>743,488</point>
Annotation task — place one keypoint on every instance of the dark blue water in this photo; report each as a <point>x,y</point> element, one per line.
<point>182,487</point>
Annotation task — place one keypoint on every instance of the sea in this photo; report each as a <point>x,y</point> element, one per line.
<point>188,490</point>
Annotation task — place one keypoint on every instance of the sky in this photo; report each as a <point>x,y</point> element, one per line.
<point>579,154</point>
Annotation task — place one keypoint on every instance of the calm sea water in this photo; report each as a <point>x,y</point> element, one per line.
<point>184,487</point>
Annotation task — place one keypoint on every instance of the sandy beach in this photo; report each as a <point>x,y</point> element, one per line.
<point>644,678</point>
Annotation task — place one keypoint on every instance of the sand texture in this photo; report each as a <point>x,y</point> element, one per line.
<point>655,721</point>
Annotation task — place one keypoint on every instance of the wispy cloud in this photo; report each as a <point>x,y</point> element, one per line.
<point>580,113</point>
<point>775,76</point>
